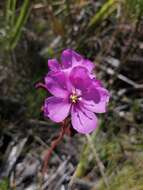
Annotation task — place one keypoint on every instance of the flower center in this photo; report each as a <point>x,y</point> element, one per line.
<point>73,98</point>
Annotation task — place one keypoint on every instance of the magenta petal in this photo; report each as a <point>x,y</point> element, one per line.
<point>69,58</point>
<point>57,109</point>
<point>56,84</point>
<point>89,65</point>
<point>97,83</point>
<point>54,65</point>
<point>79,78</point>
<point>101,106</point>
<point>92,93</point>
<point>83,121</point>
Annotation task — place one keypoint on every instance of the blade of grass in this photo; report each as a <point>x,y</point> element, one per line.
<point>104,12</point>
<point>23,15</point>
<point>13,9</point>
<point>99,162</point>
<point>7,11</point>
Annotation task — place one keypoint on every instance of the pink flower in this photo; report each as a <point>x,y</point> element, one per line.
<point>76,93</point>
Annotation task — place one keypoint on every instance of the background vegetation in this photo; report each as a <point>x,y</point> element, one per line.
<point>109,32</point>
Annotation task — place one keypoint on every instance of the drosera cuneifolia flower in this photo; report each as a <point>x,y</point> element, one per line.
<point>77,96</point>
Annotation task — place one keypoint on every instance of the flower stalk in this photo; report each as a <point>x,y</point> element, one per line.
<point>54,144</point>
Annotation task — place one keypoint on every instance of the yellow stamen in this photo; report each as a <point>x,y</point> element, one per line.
<point>73,98</point>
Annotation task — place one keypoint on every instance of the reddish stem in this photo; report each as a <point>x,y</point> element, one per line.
<point>54,144</point>
<point>41,85</point>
